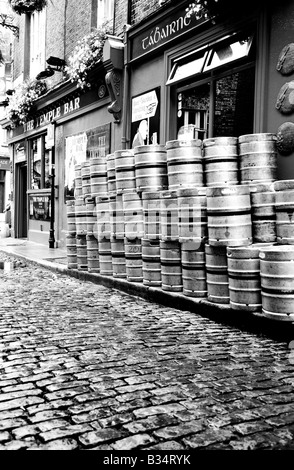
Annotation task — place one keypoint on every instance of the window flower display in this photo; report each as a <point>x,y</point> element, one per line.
<point>86,54</point>
<point>27,6</point>
<point>22,101</point>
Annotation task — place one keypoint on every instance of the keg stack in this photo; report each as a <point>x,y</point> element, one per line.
<point>71,243</point>
<point>104,234</point>
<point>151,241</point>
<point>258,158</point>
<point>124,184</point>
<point>208,219</point>
<point>81,189</point>
<point>142,215</point>
<point>192,228</point>
<point>220,156</point>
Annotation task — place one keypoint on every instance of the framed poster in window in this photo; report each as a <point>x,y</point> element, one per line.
<point>94,143</point>
<point>40,208</point>
<point>145,118</point>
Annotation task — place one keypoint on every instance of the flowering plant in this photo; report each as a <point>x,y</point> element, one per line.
<point>207,9</point>
<point>27,6</point>
<point>86,54</point>
<point>22,101</point>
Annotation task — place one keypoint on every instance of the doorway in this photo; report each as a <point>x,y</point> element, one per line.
<point>21,213</point>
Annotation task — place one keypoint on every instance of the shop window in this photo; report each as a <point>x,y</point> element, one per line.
<point>39,164</point>
<point>217,97</point>
<point>234,101</point>
<point>104,11</point>
<point>37,42</point>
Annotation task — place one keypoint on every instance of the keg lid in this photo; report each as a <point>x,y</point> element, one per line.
<point>110,156</point>
<point>246,252</point>
<point>285,138</point>
<point>150,195</point>
<point>285,64</point>
<point>171,144</point>
<point>216,250</point>
<point>285,98</point>
<point>131,196</point>
<point>99,199</point>
<point>193,246</point>
<point>168,194</point>
<point>170,245</point>
<point>277,253</point>
<point>227,190</point>
<point>220,141</point>
<point>262,136</point>
<point>262,187</point>
<point>151,243</point>
<point>283,185</point>
<point>149,148</point>
<point>186,192</point>
<point>123,153</point>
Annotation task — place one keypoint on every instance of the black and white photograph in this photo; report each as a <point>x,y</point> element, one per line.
<point>146,231</point>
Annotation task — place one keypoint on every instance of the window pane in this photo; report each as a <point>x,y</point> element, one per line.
<point>36,164</point>
<point>186,67</point>
<point>224,54</point>
<point>193,112</point>
<point>104,11</point>
<point>47,182</point>
<point>37,42</point>
<point>234,104</point>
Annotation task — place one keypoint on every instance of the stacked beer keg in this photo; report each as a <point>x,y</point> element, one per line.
<point>208,219</point>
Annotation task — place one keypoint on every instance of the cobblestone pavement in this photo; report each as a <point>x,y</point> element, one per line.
<point>88,367</point>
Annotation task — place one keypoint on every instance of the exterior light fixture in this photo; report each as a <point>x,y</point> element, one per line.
<point>10,91</point>
<point>56,64</point>
<point>4,103</point>
<point>48,72</point>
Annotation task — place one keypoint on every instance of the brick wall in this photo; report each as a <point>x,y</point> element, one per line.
<point>78,22</point>
<point>120,16</point>
<point>140,9</point>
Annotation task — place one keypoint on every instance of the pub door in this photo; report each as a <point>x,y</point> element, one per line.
<point>21,213</point>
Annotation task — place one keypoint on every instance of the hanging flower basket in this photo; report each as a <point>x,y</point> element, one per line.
<point>86,54</point>
<point>209,9</point>
<point>27,6</point>
<point>21,103</point>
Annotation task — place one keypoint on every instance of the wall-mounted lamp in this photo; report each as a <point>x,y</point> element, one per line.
<point>10,91</point>
<point>48,72</point>
<point>54,65</point>
<point>4,103</point>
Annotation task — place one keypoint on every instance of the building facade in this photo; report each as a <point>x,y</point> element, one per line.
<point>184,76</point>
<point>67,123</point>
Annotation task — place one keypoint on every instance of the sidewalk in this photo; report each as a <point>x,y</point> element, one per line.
<point>56,260</point>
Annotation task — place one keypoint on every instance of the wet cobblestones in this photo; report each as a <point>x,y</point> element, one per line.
<point>83,366</point>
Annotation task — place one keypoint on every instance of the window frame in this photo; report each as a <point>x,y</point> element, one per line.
<point>44,152</point>
<point>207,53</point>
<point>37,54</point>
<point>107,6</point>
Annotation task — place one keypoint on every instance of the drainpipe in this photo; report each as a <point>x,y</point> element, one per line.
<point>125,112</point>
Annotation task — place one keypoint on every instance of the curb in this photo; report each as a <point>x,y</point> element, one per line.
<point>253,322</point>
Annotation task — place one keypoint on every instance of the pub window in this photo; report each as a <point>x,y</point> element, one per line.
<point>39,164</point>
<point>214,89</point>
<point>104,11</point>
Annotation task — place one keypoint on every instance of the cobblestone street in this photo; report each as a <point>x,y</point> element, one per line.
<point>84,366</point>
